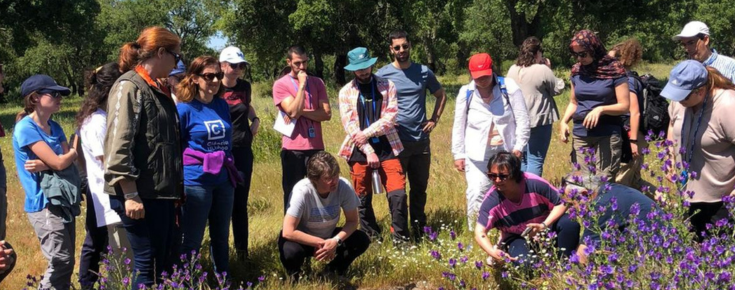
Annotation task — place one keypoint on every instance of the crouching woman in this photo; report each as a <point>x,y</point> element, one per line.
<point>521,205</point>
<point>310,225</point>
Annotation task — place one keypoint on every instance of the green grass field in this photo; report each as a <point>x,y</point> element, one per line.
<point>382,267</point>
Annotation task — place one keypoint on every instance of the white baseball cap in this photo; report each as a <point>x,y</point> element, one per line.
<point>232,54</point>
<point>692,29</point>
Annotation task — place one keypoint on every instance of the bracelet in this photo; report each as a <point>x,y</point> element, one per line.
<point>131,195</point>
<point>253,120</point>
<point>545,226</point>
<point>633,140</point>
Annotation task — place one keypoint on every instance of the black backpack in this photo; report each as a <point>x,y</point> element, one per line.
<point>655,108</point>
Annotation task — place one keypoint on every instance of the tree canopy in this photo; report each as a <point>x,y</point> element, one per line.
<point>66,38</point>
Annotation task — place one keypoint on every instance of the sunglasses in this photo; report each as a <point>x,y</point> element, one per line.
<point>398,47</point>
<point>494,176</point>
<point>210,76</point>
<point>177,56</point>
<point>241,65</point>
<point>52,94</point>
<point>582,54</point>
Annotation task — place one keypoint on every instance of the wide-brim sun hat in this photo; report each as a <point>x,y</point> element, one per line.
<point>359,58</point>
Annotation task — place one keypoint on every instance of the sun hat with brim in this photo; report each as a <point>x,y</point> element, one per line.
<point>42,84</point>
<point>685,77</point>
<point>359,58</point>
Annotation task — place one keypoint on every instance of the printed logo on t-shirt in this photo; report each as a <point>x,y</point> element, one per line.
<point>215,129</point>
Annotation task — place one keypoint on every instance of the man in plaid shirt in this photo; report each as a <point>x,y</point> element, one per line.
<point>368,108</point>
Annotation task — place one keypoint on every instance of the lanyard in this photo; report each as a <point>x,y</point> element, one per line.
<point>308,94</point>
<point>696,130</point>
<point>365,110</point>
<point>364,107</point>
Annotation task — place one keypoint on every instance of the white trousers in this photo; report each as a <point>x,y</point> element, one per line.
<point>477,184</point>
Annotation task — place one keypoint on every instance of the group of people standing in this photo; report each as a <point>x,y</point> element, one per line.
<point>167,149</point>
<point>606,107</point>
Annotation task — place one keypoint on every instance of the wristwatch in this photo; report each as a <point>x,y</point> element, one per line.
<point>339,241</point>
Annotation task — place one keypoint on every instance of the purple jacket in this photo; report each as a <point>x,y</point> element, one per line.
<point>212,163</point>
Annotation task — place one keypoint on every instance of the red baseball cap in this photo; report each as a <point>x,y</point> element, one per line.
<point>481,65</point>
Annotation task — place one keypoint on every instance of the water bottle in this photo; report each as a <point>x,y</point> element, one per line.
<point>377,184</point>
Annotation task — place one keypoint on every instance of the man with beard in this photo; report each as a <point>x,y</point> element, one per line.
<point>411,81</point>
<point>368,108</point>
<point>304,99</point>
<point>695,39</point>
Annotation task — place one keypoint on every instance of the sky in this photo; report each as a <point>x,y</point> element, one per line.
<point>217,42</point>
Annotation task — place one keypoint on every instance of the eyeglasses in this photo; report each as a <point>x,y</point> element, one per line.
<point>241,65</point>
<point>494,176</point>
<point>177,56</point>
<point>210,76</point>
<point>398,47</point>
<point>581,54</point>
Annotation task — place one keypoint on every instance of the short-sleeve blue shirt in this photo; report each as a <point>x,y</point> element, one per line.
<point>206,128</point>
<point>411,85</point>
<point>591,93</point>
<point>25,134</point>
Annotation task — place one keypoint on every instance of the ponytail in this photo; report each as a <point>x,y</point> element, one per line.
<point>29,105</point>
<point>129,54</point>
<point>145,47</point>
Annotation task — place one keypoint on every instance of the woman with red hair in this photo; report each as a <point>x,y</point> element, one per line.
<point>143,156</point>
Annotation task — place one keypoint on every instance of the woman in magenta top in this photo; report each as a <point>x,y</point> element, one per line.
<point>521,205</point>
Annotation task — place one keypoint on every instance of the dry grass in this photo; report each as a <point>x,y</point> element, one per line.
<point>383,266</point>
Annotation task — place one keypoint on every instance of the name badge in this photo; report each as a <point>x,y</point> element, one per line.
<point>312,132</point>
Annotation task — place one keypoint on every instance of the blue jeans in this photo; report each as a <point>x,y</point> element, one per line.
<point>567,238</point>
<point>535,152</point>
<point>211,203</point>
<point>150,237</point>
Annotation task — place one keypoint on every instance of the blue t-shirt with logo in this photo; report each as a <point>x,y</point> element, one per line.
<point>206,128</point>
<point>25,134</point>
<point>411,85</point>
<point>593,92</point>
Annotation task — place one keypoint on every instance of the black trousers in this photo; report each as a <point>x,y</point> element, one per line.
<point>95,244</point>
<point>244,162</point>
<point>294,254</point>
<point>416,161</point>
<point>293,166</point>
<point>709,213</point>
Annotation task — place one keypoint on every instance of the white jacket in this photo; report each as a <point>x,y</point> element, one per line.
<point>471,128</point>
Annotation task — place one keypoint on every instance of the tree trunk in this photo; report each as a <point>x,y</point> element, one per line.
<point>319,65</point>
<point>339,72</point>
<point>520,27</point>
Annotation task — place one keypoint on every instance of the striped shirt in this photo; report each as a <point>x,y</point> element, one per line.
<point>539,197</point>
<point>724,64</point>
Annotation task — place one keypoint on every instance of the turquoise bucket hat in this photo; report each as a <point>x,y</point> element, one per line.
<point>359,58</point>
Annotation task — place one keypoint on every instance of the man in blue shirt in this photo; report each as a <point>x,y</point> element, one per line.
<point>411,81</point>
<point>695,39</point>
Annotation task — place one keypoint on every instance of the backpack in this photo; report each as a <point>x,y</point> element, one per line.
<point>655,108</point>
<point>503,90</point>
